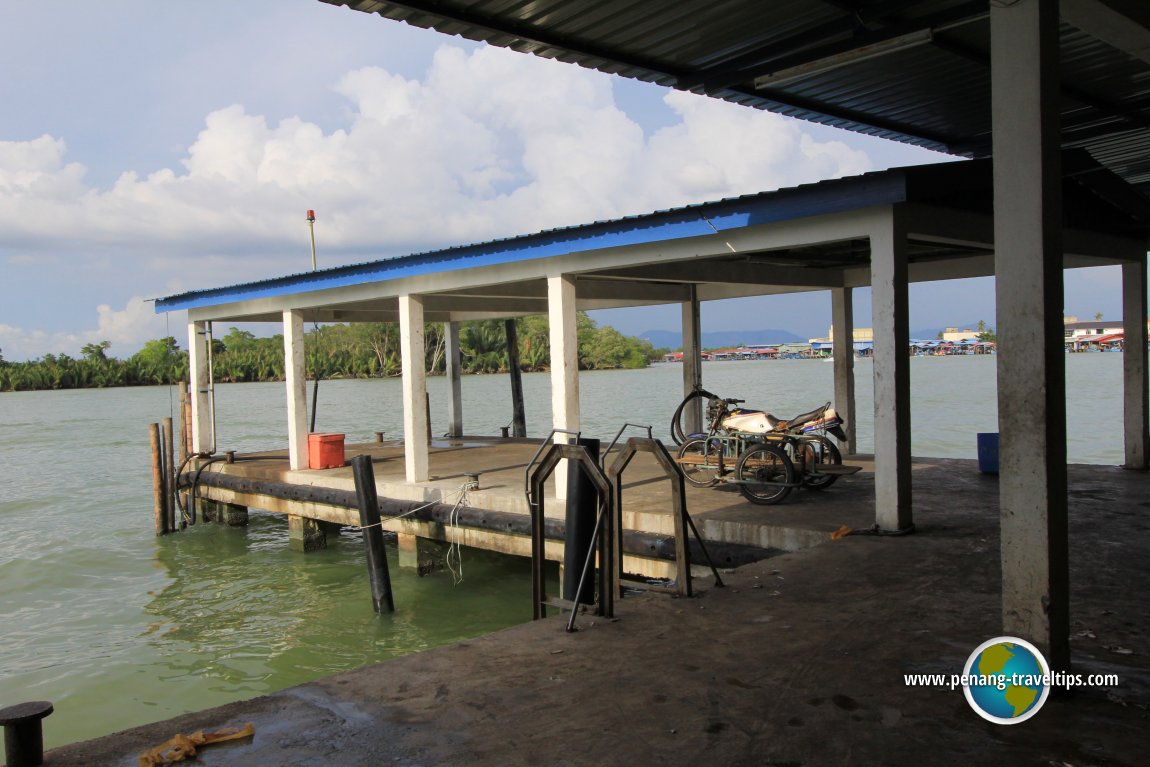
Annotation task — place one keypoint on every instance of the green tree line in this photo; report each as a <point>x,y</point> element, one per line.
<point>362,350</point>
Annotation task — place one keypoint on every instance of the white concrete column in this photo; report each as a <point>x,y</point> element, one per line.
<point>842,320</point>
<point>888,265</point>
<point>296,374</point>
<point>454,380</point>
<point>1029,302</point>
<point>413,354</point>
<point>1135,382</point>
<point>692,363</point>
<point>564,365</point>
<point>201,387</point>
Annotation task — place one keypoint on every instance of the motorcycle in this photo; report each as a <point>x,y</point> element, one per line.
<point>765,455</point>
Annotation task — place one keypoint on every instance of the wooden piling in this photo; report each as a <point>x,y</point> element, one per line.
<point>368,502</point>
<point>518,414</point>
<point>185,422</point>
<point>160,517</point>
<point>169,474</point>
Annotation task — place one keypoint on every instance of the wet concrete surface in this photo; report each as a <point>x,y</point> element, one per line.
<point>799,660</point>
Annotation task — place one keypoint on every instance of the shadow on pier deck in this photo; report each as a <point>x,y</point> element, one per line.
<point>800,660</point>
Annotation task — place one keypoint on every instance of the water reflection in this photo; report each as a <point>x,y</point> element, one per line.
<point>246,614</point>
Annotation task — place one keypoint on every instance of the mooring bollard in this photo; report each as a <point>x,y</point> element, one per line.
<point>368,502</point>
<point>24,733</point>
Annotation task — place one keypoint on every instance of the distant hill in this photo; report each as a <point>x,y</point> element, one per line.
<point>673,339</point>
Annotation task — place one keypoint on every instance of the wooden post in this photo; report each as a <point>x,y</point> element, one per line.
<point>161,518</point>
<point>518,416</point>
<point>169,474</point>
<point>185,422</point>
<point>368,501</point>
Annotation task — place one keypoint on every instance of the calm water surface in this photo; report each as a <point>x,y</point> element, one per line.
<point>117,627</point>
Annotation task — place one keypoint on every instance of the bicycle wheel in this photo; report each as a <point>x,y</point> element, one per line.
<point>700,462</point>
<point>765,474</point>
<point>819,451</point>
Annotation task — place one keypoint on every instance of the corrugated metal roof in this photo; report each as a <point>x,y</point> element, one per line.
<point>935,92</point>
<point>1106,204</point>
<point>854,192</point>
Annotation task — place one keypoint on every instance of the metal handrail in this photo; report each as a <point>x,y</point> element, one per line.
<point>603,456</point>
<point>527,471</point>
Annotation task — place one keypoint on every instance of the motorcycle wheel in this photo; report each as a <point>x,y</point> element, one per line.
<point>819,451</point>
<point>765,474</point>
<point>702,466</point>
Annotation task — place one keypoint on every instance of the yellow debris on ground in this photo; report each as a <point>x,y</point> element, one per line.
<point>179,747</point>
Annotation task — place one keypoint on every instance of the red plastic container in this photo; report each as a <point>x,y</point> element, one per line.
<point>325,451</point>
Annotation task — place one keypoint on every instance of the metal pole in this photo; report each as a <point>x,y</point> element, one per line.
<point>311,229</point>
<point>369,520</point>
<point>315,384</point>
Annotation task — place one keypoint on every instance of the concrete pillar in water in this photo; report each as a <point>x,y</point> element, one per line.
<point>305,534</point>
<point>692,363</point>
<point>295,374</point>
<point>1135,380</point>
<point>1025,102</point>
<point>564,365</point>
<point>455,380</point>
<point>888,264</point>
<point>842,320</point>
<point>413,355</point>
<point>225,513</point>
<point>408,550</point>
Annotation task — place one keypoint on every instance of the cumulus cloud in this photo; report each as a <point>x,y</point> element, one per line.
<point>488,143</point>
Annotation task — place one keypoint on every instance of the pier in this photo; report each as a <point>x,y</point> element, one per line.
<point>495,514</point>
<point>882,230</point>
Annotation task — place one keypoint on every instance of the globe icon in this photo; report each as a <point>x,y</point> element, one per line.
<point>1015,676</point>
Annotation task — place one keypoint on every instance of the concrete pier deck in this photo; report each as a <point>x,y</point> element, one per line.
<point>800,660</point>
<point>740,531</point>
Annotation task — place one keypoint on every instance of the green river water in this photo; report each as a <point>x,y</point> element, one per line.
<point>117,627</point>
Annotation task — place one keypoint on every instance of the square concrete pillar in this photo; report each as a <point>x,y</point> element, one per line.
<point>295,375</point>
<point>1028,259</point>
<point>305,534</point>
<point>891,374</point>
<point>199,371</point>
<point>1135,382</point>
<point>564,365</point>
<point>842,321</point>
<point>413,354</point>
<point>692,362</point>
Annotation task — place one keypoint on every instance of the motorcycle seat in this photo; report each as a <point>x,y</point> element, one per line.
<point>799,420</point>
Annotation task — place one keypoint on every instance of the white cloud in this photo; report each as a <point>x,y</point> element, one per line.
<point>488,143</point>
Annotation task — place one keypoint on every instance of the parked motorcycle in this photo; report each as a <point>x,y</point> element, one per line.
<point>765,455</point>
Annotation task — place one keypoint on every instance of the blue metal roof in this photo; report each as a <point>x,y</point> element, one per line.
<point>851,193</point>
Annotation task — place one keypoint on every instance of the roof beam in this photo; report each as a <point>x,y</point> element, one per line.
<point>1124,24</point>
<point>726,272</point>
<point>770,66</point>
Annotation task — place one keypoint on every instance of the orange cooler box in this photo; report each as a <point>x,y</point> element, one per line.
<point>325,451</point>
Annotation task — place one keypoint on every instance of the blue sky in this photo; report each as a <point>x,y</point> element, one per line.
<point>148,148</point>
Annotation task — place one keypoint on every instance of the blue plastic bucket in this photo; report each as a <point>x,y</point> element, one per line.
<point>988,452</point>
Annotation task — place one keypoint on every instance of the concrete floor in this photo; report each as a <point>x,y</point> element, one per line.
<point>798,661</point>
